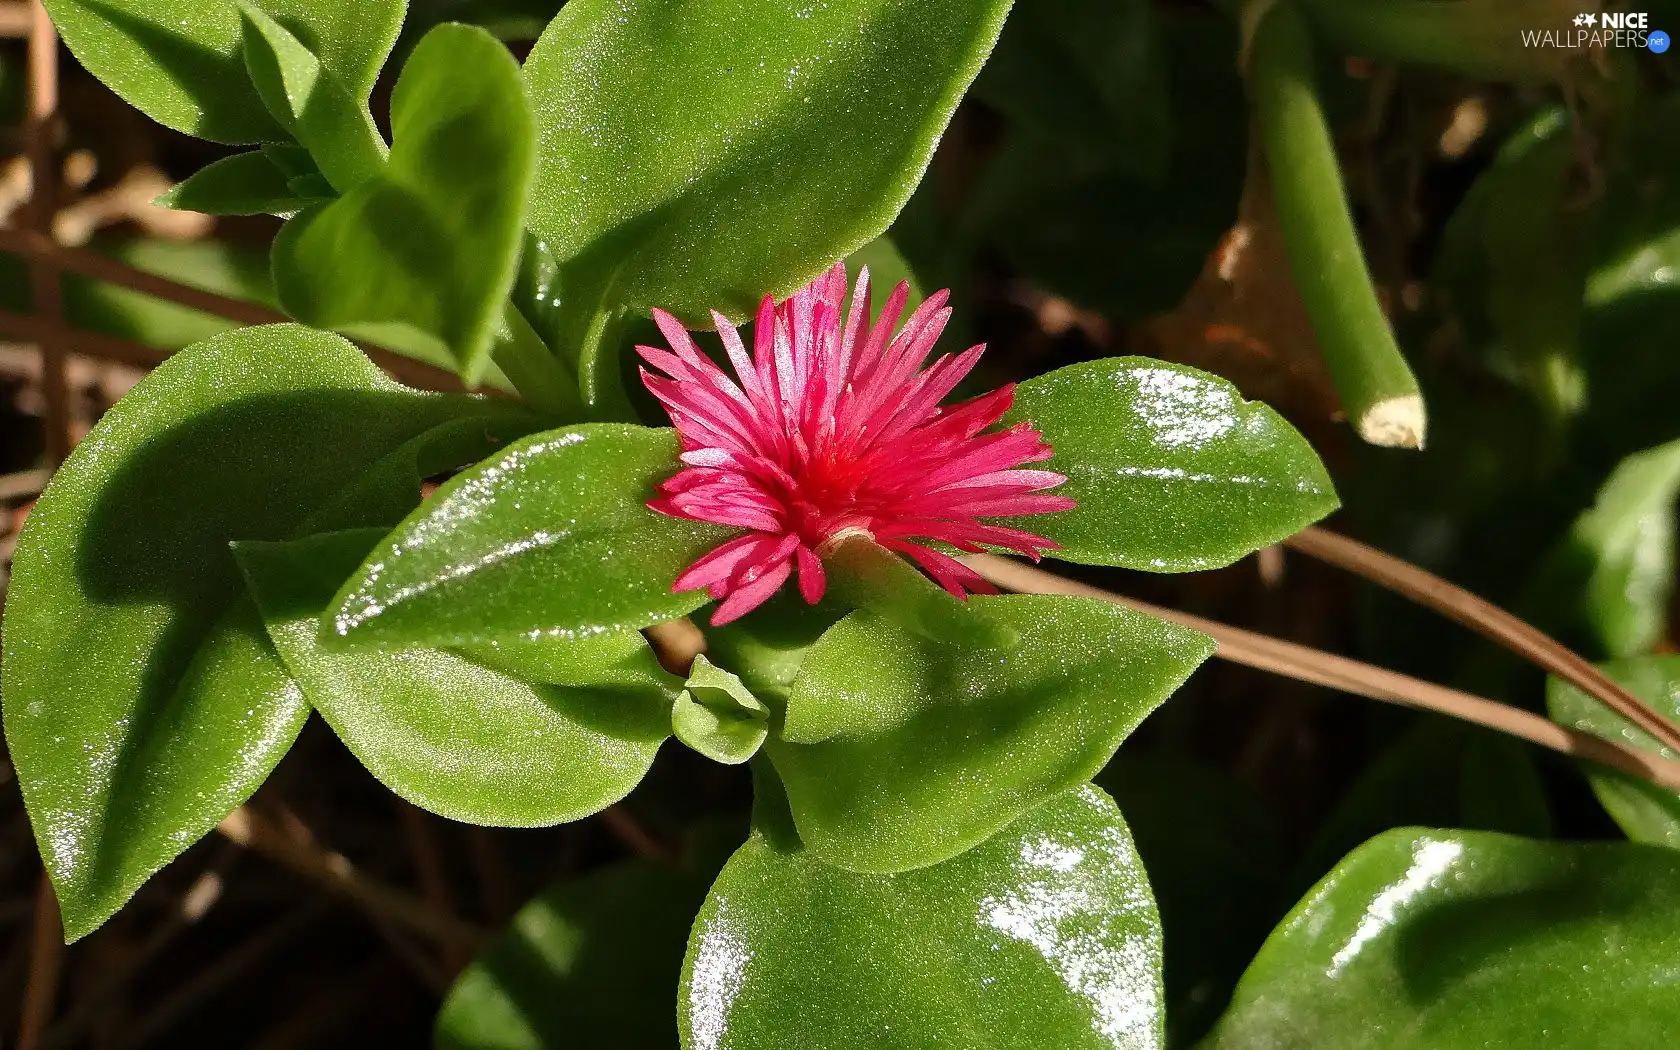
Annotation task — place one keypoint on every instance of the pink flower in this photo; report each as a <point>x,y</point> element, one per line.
<point>835,429</point>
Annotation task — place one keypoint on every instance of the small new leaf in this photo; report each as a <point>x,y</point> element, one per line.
<point>718,716</point>
<point>243,184</point>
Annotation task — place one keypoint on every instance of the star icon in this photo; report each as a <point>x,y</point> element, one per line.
<point>1580,20</point>
<point>1591,19</point>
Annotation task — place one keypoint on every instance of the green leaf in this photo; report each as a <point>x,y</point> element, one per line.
<point>243,184</point>
<point>887,267</point>
<point>1092,193</point>
<point>1172,470</point>
<point>1045,936</point>
<point>142,701</point>
<point>181,61</point>
<point>718,716</point>
<point>425,251</point>
<point>552,536</point>
<point>699,154</point>
<point>898,752</point>
<point>310,103</point>
<point>611,661</point>
<point>767,647</point>
<point>1615,569</point>
<point>447,734</point>
<point>1214,853</point>
<point>589,962</point>
<point>1090,71</point>
<point>1456,939</point>
<point>1631,294</point>
<point>1646,812</point>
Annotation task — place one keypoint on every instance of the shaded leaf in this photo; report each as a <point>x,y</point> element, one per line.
<point>450,735</point>
<point>243,184</point>
<point>425,251</point>
<point>180,61</point>
<point>142,701</point>
<point>1646,812</point>
<point>589,962</point>
<point>897,751</point>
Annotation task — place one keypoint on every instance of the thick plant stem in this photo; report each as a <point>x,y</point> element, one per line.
<point>536,373</point>
<point>1376,386</point>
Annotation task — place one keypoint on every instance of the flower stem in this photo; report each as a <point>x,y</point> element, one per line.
<point>1376,386</point>
<point>867,575</point>
<point>537,374</point>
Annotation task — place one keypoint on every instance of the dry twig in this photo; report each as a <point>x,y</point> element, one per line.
<point>1351,676</point>
<point>1486,619</point>
<point>302,854</point>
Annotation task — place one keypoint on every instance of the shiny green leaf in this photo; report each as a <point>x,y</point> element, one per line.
<point>1172,469</point>
<point>897,751</point>
<point>449,735</point>
<point>590,962</point>
<point>554,535</point>
<point>243,184</point>
<point>718,716</point>
<point>310,103</point>
<point>181,61</point>
<point>1045,936</point>
<point>1617,564</point>
<point>1646,812</point>
<point>425,251</point>
<point>699,154</point>
<point>142,701</point>
<point>1452,940</point>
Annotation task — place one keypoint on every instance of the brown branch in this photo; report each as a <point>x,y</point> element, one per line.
<point>675,644</point>
<point>429,870</point>
<point>46,287</point>
<point>303,855</point>
<point>1486,619</point>
<point>27,328</point>
<point>1306,664</point>
<point>46,959</point>
<point>15,20</point>
<point>629,831</point>
<point>25,484</point>
<point>91,264</point>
